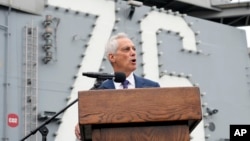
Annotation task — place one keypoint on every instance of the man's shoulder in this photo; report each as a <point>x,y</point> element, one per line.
<point>145,82</point>
<point>107,84</point>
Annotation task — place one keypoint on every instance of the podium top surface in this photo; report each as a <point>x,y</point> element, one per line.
<point>140,105</point>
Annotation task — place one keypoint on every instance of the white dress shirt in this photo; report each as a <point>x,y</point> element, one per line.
<point>131,84</point>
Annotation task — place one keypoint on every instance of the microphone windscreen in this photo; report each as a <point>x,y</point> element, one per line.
<point>120,77</point>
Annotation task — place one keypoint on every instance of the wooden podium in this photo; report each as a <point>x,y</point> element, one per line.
<point>148,114</point>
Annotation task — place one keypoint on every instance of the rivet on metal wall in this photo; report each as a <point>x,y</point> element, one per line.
<point>143,75</point>
<point>196,85</point>
<point>189,76</point>
<point>206,125</point>
<point>198,42</point>
<point>161,10</point>
<point>178,33</point>
<point>93,25</point>
<point>82,55</point>
<point>158,32</point>
<point>161,75</point>
<point>59,121</point>
<point>86,45</point>
<point>117,9</point>
<point>180,75</point>
<point>56,8</point>
<point>139,21</point>
<point>55,134</point>
<point>183,15</point>
<point>71,87</point>
<point>197,33</point>
<point>182,50</point>
<point>164,72</point>
<point>140,31</point>
<point>204,104</point>
<point>114,29</point>
<point>145,15</point>
<point>78,66</point>
<point>160,65</point>
<point>168,31</point>
<point>75,76</point>
<point>159,42</point>
<point>142,64</point>
<point>153,8</point>
<point>66,10</point>
<point>177,13</point>
<point>90,35</point>
<point>160,53</point>
<point>102,68</point>
<point>141,42</point>
<point>172,73</point>
<point>77,12</point>
<point>205,115</point>
<point>141,53</point>
<point>181,37</point>
<point>199,52</point>
<point>203,94</point>
<point>117,20</point>
<point>190,24</point>
<point>169,11</point>
<point>86,14</point>
<point>67,98</point>
<point>104,58</point>
<point>46,5</point>
<point>207,136</point>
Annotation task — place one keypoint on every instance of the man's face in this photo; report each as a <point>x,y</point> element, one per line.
<point>124,60</point>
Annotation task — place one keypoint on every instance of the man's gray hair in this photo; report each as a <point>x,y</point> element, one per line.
<point>112,44</point>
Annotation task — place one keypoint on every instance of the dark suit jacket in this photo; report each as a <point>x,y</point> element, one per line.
<point>139,83</point>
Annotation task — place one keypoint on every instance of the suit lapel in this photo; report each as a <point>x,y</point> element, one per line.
<point>139,83</point>
<point>109,84</point>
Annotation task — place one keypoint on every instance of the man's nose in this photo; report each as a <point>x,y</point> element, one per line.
<point>132,52</point>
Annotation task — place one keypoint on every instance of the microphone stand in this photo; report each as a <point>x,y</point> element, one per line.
<point>43,129</point>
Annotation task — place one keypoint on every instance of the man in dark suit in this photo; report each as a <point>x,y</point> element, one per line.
<point>121,53</point>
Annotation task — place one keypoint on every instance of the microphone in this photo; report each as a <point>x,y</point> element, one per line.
<point>118,76</point>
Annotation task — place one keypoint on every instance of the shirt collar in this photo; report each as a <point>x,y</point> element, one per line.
<point>131,80</point>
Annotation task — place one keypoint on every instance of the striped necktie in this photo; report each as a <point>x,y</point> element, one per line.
<point>125,84</point>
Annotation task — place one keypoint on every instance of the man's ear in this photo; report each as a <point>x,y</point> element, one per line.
<point>111,58</point>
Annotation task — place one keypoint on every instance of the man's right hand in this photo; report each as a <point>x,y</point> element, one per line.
<point>77,132</point>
